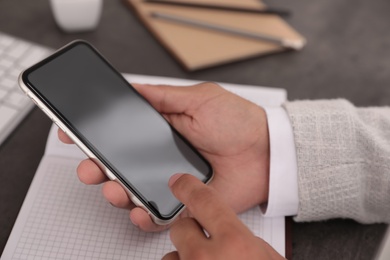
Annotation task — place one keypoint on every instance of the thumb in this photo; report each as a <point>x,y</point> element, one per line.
<point>166,99</point>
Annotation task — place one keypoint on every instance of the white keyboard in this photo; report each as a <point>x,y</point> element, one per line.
<point>15,56</point>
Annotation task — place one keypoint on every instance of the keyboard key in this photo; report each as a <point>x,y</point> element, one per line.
<point>32,57</point>
<point>6,116</point>
<point>17,100</point>
<point>7,83</point>
<point>5,62</point>
<point>6,40</point>
<point>3,93</point>
<point>13,74</point>
<point>18,49</point>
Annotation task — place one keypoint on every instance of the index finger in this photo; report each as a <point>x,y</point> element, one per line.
<point>203,202</point>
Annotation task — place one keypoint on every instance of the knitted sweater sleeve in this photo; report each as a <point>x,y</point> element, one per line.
<point>343,159</point>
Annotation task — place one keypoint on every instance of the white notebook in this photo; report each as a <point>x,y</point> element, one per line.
<point>61,218</point>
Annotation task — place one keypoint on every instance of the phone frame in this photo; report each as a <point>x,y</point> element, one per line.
<point>50,112</point>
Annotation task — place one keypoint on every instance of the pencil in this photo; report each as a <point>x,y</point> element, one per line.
<point>286,43</point>
<point>266,10</point>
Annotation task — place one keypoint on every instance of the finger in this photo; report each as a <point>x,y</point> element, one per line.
<point>64,137</point>
<point>116,195</point>
<point>89,173</point>
<point>179,104</point>
<point>272,253</point>
<point>141,218</point>
<point>166,99</point>
<point>175,103</point>
<point>174,99</point>
<point>204,203</point>
<point>171,256</point>
<point>186,234</point>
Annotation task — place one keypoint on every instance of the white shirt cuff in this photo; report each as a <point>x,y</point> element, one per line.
<point>283,197</point>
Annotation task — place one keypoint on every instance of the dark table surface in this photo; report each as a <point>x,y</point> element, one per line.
<point>347,56</point>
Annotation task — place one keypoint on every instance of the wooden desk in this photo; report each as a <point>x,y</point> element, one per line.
<point>346,56</point>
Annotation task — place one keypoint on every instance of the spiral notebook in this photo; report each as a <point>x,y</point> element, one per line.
<point>61,218</point>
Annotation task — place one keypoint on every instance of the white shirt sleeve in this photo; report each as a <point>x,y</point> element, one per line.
<point>283,197</point>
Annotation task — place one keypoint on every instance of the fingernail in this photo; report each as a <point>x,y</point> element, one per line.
<point>174,178</point>
<point>132,221</point>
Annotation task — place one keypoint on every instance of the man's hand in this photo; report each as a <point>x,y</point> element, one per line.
<point>229,131</point>
<point>228,238</point>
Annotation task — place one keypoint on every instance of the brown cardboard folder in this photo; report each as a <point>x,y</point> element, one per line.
<point>197,48</point>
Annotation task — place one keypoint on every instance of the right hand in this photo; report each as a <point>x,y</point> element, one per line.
<point>229,131</point>
<point>228,238</point>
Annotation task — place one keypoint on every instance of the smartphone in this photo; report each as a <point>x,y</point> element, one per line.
<point>115,126</point>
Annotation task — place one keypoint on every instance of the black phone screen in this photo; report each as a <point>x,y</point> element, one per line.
<point>117,124</point>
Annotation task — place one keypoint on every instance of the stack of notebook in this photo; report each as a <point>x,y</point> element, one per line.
<point>200,37</point>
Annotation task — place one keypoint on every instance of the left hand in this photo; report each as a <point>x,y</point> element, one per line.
<point>228,237</point>
<point>229,131</point>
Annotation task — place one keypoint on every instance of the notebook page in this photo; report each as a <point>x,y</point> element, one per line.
<point>61,218</point>
<point>64,219</point>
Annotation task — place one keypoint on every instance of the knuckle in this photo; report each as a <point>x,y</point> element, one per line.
<point>200,196</point>
<point>241,243</point>
<point>214,86</point>
<point>210,85</point>
<point>180,223</point>
<point>201,253</point>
